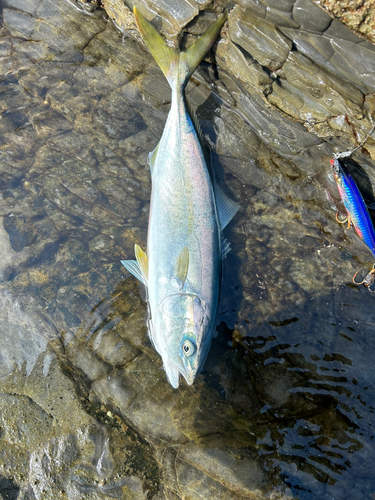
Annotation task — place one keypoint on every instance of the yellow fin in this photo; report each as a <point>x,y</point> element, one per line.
<point>165,56</point>
<point>196,52</point>
<point>142,260</point>
<point>177,67</point>
<point>182,265</point>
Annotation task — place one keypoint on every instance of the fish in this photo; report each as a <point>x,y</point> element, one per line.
<point>182,266</point>
<point>357,212</point>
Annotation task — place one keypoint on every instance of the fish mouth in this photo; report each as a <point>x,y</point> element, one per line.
<point>174,378</point>
<point>189,377</point>
<point>173,369</point>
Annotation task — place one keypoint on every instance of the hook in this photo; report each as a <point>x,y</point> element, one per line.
<point>368,280</point>
<point>347,219</point>
<point>356,282</point>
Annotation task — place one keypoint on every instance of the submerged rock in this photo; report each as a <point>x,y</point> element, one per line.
<point>283,408</point>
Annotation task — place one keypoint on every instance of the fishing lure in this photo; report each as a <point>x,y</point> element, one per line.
<point>357,212</point>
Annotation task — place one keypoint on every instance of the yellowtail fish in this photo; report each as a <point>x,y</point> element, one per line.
<point>182,268</point>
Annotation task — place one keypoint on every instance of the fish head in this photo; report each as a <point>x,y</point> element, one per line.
<point>182,329</point>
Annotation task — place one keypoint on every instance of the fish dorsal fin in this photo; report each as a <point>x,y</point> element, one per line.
<point>152,157</point>
<point>142,260</point>
<point>133,268</point>
<point>182,265</point>
<point>226,207</point>
<point>225,247</point>
<point>166,57</point>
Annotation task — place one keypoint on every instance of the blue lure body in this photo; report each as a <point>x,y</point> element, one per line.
<point>355,205</point>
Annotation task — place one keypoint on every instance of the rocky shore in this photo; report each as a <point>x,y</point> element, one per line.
<point>283,409</point>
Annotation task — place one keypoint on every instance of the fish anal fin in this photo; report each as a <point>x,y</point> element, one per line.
<point>142,260</point>
<point>226,207</point>
<point>182,265</point>
<point>133,268</point>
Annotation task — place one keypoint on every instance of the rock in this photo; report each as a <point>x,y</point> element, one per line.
<point>327,96</point>
<point>265,43</point>
<point>358,16</point>
<point>122,16</point>
<point>170,20</point>
<point>362,57</point>
<point>245,69</point>
<point>310,17</point>
<point>283,407</point>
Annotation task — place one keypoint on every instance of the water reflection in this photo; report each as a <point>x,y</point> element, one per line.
<point>285,402</point>
<point>300,403</point>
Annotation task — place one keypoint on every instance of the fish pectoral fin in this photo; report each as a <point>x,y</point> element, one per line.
<point>142,261</point>
<point>182,265</point>
<point>226,207</point>
<point>133,268</point>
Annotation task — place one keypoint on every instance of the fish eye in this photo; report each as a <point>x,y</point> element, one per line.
<point>188,348</point>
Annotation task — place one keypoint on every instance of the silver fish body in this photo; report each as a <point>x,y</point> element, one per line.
<point>183,266</point>
<point>182,214</point>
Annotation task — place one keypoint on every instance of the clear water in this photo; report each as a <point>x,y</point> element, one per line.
<point>288,387</point>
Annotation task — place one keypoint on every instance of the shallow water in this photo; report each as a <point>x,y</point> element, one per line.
<point>284,407</point>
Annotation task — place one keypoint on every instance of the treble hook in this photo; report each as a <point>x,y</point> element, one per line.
<point>347,219</point>
<point>368,280</point>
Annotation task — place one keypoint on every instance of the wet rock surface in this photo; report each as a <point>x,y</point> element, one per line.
<point>284,407</point>
<point>359,16</point>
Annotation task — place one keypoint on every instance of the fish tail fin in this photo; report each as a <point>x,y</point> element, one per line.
<point>177,66</point>
<point>166,57</point>
<point>196,52</point>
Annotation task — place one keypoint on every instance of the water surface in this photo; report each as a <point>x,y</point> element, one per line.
<point>284,407</point>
